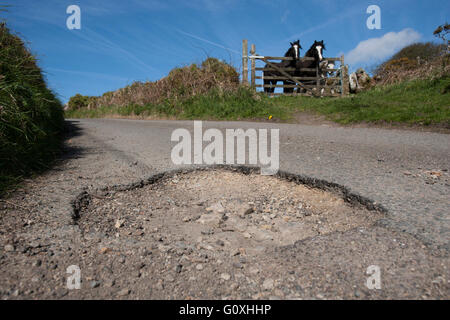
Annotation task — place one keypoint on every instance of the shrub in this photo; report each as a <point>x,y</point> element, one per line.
<point>31,117</point>
<point>442,32</point>
<point>413,55</point>
<point>79,101</point>
<point>417,61</point>
<point>426,51</point>
<point>401,64</point>
<point>179,85</point>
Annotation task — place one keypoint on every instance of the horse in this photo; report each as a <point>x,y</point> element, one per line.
<point>293,52</point>
<point>316,52</point>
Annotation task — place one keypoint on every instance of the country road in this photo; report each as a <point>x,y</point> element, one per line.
<point>406,172</point>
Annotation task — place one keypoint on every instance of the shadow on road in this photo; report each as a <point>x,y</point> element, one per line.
<point>69,151</point>
<point>12,181</point>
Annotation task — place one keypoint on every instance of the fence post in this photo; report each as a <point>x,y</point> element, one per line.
<point>244,62</point>
<point>344,77</point>
<point>252,66</point>
<point>318,91</point>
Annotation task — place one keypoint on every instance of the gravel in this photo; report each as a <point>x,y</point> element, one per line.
<point>268,284</point>
<point>225,276</point>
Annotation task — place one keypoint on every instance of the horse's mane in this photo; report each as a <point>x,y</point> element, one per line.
<point>310,52</point>
<point>288,52</point>
<point>290,62</point>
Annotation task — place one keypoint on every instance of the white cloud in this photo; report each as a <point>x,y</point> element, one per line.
<point>328,23</point>
<point>207,41</point>
<point>89,74</point>
<point>376,49</point>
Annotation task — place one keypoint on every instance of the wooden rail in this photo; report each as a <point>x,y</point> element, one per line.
<point>292,86</point>
<point>293,69</point>
<point>296,78</point>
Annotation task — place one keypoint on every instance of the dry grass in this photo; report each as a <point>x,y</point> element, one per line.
<point>179,85</point>
<point>406,69</point>
<point>31,117</point>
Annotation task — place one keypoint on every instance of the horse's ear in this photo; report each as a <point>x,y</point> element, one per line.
<point>291,43</point>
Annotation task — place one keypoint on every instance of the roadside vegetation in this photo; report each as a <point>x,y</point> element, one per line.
<point>210,90</point>
<point>214,105</point>
<point>31,117</point>
<point>414,102</point>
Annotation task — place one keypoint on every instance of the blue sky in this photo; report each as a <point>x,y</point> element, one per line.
<point>123,41</point>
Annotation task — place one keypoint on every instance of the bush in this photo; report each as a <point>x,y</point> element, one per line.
<point>401,64</point>
<point>426,51</point>
<point>31,117</point>
<point>79,101</point>
<point>417,61</point>
<point>221,70</point>
<point>442,32</point>
<point>180,84</point>
<point>413,55</point>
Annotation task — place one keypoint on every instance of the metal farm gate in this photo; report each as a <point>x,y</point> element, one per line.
<point>316,86</point>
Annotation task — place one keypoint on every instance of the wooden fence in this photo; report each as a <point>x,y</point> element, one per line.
<point>336,85</point>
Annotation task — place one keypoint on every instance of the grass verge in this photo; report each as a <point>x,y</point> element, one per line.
<point>31,117</point>
<point>240,105</point>
<point>417,102</point>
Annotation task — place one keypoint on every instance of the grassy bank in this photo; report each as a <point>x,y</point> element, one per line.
<point>240,105</point>
<point>31,117</point>
<point>423,102</point>
<point>418,102</point>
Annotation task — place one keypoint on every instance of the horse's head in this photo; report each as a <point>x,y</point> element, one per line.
<point>318,48</point>
<point>294,50</point>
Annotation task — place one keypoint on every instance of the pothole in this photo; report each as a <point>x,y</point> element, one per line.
<point>223,211</point>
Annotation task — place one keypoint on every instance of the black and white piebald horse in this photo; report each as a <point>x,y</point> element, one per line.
<point>316,52</point>
<point>293,52</point>
<point>324,66</point>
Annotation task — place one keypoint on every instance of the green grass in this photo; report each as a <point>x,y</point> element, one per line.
<point>31,117</point>
<point>422,102</point>
<point>239,105</point>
